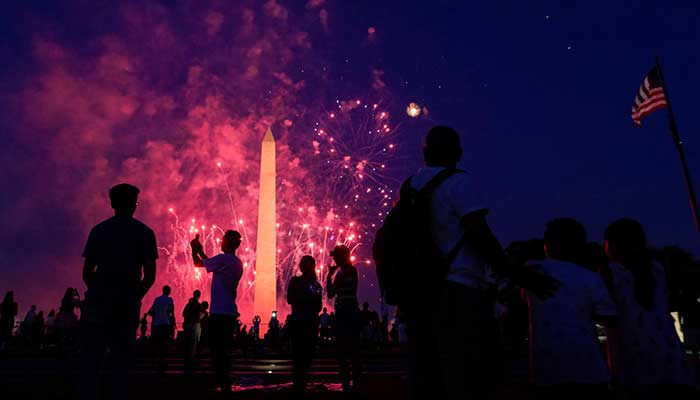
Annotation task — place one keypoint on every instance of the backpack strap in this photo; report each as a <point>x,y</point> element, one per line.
<point>437,180</point>
<point>406,189</point>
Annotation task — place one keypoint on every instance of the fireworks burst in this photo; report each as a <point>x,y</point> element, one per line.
<point>354,145</point>
<point>413,110</point>
<point>344,200</point>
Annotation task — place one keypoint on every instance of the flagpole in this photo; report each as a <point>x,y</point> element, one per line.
<point>679,146</point>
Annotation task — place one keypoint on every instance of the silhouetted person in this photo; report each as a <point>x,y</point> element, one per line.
<point>69,302</point>
<point>191,327</point>
<point>162,312</point>
<point>463,354</point>
<point>341,284</point>
<point>38,329</point>
<point>30,315</point>
<point>256,327</point>
<point>26,327</point>
<point>366,333</point>
<point>8,313</point>
<point>305,295</point>
<point>204,324</point>
<point>644,349</point>
<point>226,270</point>
<point>273,331</point>
<point>120,268</point>
<point>565,357</point>
<point>143,326</point>
<point>325,326</point>
<point>51,327</point>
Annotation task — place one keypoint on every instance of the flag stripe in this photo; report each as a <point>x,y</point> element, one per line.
<point>651,100</point>
<point>650,96</point>
<point>648,108</point>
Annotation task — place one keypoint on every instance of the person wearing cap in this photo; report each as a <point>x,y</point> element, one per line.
<point>226,269</point>
<point>119,269</point>
<point>341,284</point>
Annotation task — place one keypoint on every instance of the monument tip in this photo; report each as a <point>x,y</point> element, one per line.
<point>268,136</point>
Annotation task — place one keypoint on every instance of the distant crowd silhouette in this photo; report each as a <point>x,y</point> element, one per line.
<point>595,319</point>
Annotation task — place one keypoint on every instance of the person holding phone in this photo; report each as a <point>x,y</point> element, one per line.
<point>226,269</point>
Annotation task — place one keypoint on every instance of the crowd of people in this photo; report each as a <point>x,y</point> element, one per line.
<point>557,296</point>
<point>37,330</point>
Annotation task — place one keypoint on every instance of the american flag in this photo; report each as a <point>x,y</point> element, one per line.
<point>650,96</point>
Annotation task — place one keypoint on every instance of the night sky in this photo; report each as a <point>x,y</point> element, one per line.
<point>540,92</point>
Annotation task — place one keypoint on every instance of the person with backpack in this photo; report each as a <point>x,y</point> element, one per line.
<point>431,256</point>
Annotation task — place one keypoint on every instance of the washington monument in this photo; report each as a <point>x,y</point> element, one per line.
<point>265,258</point>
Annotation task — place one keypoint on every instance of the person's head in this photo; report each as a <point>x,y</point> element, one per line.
<point>33,308</point>
<point>365,306</point>
<point>231,241</point>
<point>565,239</point>
<point>626,244</point>
<point>166,290</point>
<point>69,293</point>
<point>341,255</point>
<point>124,198</point>
<point>307,266</point>
<point>623,239</point>
<point>442,147</point>
<point>52,313</point>
<point>9,297</point>
<point>196,294</point>
<point>324,310</point>
<point>205,305</point>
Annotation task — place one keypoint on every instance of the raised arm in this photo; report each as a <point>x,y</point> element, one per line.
<point>198,255</point>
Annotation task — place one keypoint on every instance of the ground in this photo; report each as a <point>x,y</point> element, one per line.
<point>47,375</point>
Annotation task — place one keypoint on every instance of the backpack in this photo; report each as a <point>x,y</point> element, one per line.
<point>409,263</point>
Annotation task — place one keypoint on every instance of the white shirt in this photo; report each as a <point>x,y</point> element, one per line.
<point>452,200</point>
<point>649,351</point>
<point>564,347</point>
<point>162,307</point>
<point>227,270</point>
